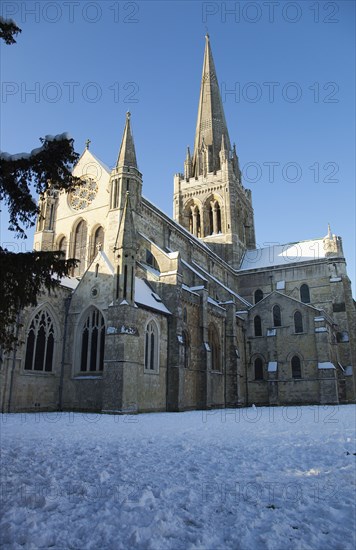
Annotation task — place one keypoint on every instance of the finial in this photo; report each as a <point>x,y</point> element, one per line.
<point>329,231</point>
<point>128,115</point>
<point>87,143</point>
<point>207,33</point>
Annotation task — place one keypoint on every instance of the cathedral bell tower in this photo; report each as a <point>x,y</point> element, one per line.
<point>209,198</point>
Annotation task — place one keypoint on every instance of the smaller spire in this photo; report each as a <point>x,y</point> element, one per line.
<point>188,165</point>
<point>126,236</point>
<point>329,231</point>
<point>235,163</point>
<point>127,154</point>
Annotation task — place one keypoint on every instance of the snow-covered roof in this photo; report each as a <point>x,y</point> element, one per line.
<point>232,292</point>
<point>189,289</point>
<point>69,282</point>
<point>215,303</point>
<point>150,269</point>
<point>348,370</point>
<point>283,254</point>
<point>144,296</point>
<point>272,366</point>
<point>326,365</point>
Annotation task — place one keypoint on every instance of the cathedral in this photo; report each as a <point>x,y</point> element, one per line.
<point>186,313</point>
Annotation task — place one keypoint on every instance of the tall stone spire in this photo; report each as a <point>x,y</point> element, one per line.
<point>211,123</point>
<point>127,154</point>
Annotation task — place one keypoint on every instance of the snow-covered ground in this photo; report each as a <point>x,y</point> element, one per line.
<point>248,479</point>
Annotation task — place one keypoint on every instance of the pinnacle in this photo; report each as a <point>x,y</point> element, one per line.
<point>127,154</point>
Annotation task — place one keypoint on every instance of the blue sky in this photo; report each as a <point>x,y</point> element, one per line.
<point>287,75</point>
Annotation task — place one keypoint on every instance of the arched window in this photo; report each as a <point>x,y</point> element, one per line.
<point>296,367</point>
<point>80,246</point>
<point>40,343</point>
<point>214,344</point>
<point>298,322</point>
<point>258,295</point>
<point>214,218</point>
<point>258,325</point>
<point>62,245</point>
<point>151,347</point>
<point>277,318</point>
<point>92,342</point>
<point>98,242</point>
<point>305,294</point>
<point>258,368</point>
<point>185,344</point>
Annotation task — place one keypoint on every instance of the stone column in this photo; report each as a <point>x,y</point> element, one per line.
<point>215,219</point>
<point>194,213</point>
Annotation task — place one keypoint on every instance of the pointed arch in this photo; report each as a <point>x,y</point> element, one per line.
<point>305,294</point>
<point>258,368</point>
<point>192,217</point>
<point>277,316</point>
<point>91,340</point>
<point>42,335</point>
<point>257,325</point>
<point>152,346</point>
<point>296,366</point>
<point>298,322</point>
<point>62,244</point>
<point>80,234</point>
<point>212,209</point>
<point>97,241</point>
